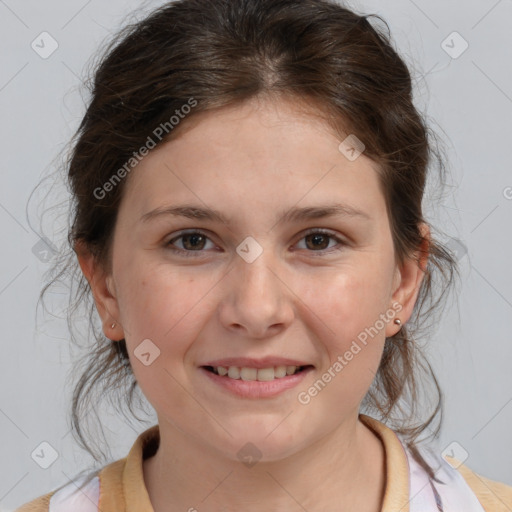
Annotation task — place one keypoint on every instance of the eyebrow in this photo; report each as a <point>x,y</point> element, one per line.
<point>294,214</point>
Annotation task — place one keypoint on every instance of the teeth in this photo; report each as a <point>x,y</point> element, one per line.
<point>221,370</point>
<point>280,371</point>
<point>250,373</point>
<point>260,374</point>
<point>234,372</point>
<point>290,370</point>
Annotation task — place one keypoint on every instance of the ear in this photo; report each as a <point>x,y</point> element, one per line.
<point>407,281</point>
<point>103,291</point>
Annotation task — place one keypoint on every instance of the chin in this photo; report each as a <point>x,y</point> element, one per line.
<point>249,444</point>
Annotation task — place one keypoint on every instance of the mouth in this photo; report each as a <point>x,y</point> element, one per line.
<point>255,383</point>
<point>256,374</point>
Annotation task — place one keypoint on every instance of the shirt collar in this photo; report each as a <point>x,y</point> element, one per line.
<point>396,494</point>
<point>123,481</point>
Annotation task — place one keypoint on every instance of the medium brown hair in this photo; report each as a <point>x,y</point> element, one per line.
<point>224,52</point>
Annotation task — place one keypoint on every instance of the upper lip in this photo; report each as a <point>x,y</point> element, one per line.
<point>265,362</point>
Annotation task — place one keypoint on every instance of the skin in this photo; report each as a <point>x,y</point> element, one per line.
<point>251,162</point>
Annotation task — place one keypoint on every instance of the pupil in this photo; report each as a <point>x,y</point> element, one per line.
<point>317,240</point>
<point>194,238</point>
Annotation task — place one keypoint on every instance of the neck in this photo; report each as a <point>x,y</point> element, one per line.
<point>344,470</point>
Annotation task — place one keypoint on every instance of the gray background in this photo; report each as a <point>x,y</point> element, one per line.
<point>470,99</point>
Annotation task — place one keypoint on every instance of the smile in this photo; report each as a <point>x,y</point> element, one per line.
<point>259,374</point>
<point>249,382</point>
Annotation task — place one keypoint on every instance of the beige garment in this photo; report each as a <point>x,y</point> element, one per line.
<point>122,487</point>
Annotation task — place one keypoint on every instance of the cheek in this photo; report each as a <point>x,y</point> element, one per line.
<point>162,304</point>
<point>352,298</point>
<point>351,335</point>
<point>346,311</point>
<point>165,307</point>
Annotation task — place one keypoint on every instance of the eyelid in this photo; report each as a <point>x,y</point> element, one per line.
<point>324,231</point>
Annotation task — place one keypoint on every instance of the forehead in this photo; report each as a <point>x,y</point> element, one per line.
<point>257,154</point>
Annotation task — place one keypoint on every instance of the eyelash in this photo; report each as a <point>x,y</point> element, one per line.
<point>312,231</point>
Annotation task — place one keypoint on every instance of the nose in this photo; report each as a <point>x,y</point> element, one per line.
<point>256,300</point>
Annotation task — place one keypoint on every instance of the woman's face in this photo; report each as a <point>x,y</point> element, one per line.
<point>261,283</point>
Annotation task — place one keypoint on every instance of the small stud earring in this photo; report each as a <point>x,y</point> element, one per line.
<point>398,321</point>
<point>113,325</point>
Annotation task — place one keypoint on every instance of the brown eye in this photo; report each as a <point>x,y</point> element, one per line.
<point>193,242</point>
<point>317,241</point>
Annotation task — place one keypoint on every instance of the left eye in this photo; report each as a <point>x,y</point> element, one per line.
<point>194,242</point>
<point>320,240</point>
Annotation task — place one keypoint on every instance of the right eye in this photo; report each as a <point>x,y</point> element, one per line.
<point>191,241</point>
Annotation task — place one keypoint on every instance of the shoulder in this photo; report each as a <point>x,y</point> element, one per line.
<point>454,487</point>
<point>493,495</point>
<point>40,504</point>
<point>82,494</point>
<point>79,495</point>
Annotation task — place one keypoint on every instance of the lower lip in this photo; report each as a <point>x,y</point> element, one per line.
<point>256,388</point>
